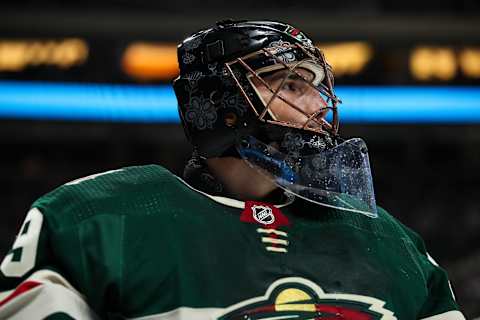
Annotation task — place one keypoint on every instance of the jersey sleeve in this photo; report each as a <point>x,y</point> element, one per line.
<point>31,282</point>
<point>440,303</point>
<point>76,235</point>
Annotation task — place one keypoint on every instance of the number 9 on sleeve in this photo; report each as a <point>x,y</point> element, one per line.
<point>21,258</point>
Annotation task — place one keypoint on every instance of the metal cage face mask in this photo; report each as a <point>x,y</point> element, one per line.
<point>288,85</point>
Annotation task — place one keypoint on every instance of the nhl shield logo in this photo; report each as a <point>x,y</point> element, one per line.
<point>263,214</point>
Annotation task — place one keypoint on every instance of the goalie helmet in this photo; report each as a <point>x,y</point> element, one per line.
<point>228,105</point>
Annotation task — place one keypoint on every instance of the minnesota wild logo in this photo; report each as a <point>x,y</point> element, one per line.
<point>300,299</point>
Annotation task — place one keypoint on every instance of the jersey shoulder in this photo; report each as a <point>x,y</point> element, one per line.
<point>111,192</point>
<point>407,234</point>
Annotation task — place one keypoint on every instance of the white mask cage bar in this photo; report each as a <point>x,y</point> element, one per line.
<point>324,87</point>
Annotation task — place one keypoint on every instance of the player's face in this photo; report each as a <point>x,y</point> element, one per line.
<point>297,92</point>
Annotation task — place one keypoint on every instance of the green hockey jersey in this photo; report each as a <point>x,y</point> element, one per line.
<point>139,243</point>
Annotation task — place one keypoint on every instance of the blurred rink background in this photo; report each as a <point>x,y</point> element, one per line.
<point>85,87</point>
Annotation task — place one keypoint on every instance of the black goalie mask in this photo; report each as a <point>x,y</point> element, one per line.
<point>261,91</point>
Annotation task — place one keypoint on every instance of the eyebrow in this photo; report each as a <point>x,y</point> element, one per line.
<point>280,74</point>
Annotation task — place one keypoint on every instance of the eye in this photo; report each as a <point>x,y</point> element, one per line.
<point>292,87</point>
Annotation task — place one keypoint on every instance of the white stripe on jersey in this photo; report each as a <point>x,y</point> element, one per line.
<point>277,232</point>
<point>277,249</point>
<point>274,241</point>
<point>185,313</point>
<point>4,294</point>
<point>450,315</point>
<point>432,261</point>
<point>54,294</point>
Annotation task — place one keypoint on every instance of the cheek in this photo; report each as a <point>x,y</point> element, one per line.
<point>284,112</point>
<point>280,109</point>
<point>264,93</point>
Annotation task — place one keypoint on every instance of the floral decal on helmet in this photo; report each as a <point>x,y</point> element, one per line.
<point>293,142</point>
<point>192,43</point>
<point>283,51</point>
<point>235,101</point>
<point>193,78</point>
<point>201,113</point>
<point>188,58</point>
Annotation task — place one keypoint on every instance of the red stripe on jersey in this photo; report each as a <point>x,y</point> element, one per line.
<point>22,288</point>
<point>336,313</point>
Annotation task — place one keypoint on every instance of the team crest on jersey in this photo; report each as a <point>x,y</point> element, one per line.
<point>299,298</point>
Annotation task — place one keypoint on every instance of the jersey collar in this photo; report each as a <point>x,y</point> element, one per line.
<point>234,203</point>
